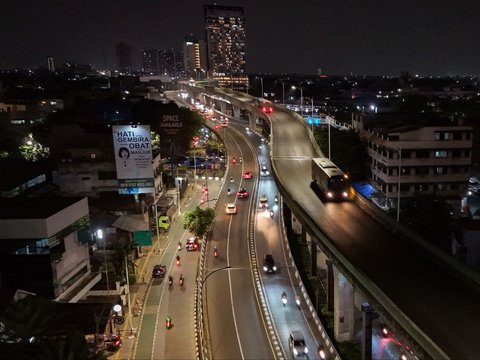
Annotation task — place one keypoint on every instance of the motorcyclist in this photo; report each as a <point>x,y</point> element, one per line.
<point>229,191</point>
<point>284,298</point>
<point>215,251</point>
<point>271,213</point>
<point>181,279</point>
<point>178,260</point>
<point>170,280</point>
<point>231,179</point>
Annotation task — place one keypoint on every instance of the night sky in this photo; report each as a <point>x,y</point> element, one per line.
<point>427,37</point>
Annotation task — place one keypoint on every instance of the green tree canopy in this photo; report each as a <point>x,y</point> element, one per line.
<point>349,151</point>
<point>198,221</point>
<point>428,216</point>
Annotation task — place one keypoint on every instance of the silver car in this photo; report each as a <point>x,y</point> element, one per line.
<point>297,343</point>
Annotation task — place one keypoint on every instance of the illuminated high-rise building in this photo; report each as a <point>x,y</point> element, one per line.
<point>171,62</point>
<point>195,57</point>
<point>226,48</point>
<point>150,61</point>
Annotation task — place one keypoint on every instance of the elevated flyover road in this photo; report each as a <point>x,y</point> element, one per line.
<point>436,304</point>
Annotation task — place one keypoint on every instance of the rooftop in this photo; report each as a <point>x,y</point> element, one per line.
<point>34,208</point>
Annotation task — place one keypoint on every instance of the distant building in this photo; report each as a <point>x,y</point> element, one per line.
<point>44,247</point>
<point>226,47</point>
<point>50,63</point>
<point>171,63</point>
<point>151,62</point>
<point>195,57</point>
<point>124,58</point>
<point>423,154</point>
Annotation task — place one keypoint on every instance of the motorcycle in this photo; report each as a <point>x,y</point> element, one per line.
<point>276,199</point>
<point>170,280</point>
<point>179,247</point>
<point>229,191</point>
<point>168,322</point>
<point>180,280</point>
<point>284,299</point>
<point>231,180</point>
<point>297,301</point>
<point>215,251</point>
<point>271,214</point>
<point>178,260</point>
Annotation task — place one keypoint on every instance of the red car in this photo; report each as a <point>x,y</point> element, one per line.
<point>192,244</point>
<point>267,109</point>
<point>242,193</point>
<point>247,175</point>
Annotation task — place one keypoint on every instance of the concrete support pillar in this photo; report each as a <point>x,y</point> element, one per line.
<point>297,227</point>
<point>223,107</point>
<point>343,315</point>
<point>251,120</point>
<point>313,256</point>
<point>330,286</point>
<point>368,315</point>
<point>236,112</point>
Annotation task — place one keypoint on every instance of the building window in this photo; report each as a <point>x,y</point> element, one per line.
<point>457,153</point>
<point>423,154</point>
<point>93,156</point>
<point>441,153</point>
<point>86,178</point>
<point>443,136</point>
<point>439,170</point>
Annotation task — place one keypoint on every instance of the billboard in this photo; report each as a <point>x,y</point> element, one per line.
<point>133,158</point>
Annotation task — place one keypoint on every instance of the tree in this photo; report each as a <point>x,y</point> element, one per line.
<point>198,221</point>
<point>349,151</point>
<point>33,328</point>
<point>429,217</point>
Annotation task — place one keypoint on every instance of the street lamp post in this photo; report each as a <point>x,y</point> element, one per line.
<point>301,98</point>
<point>261,83</point>
<point>202,281</point>
<point>311,100</point>
<point>399,182</point>
<point>283,92</point>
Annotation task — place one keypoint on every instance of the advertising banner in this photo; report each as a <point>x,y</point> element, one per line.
<point>133,158</point>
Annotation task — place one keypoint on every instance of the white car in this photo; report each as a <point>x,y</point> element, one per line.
<point>263,201</point>
<point>230,208</point>
<point>264,171</point>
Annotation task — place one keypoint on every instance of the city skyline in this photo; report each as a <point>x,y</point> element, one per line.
<point>425,37</point>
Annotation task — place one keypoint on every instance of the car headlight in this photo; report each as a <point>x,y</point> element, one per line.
<point>306,350</point>
<point>329,194</point>
<point>274,268</point>
<point>295,352</point>
<point>267,172</point>
<point>265,268</point>
<point>345,194</point>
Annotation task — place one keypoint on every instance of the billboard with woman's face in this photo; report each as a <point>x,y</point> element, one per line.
<point>133,158</point>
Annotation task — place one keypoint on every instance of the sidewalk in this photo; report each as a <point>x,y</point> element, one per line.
<point>138,291</point>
